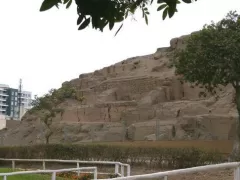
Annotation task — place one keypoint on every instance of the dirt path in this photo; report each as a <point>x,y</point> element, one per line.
<point>226,174</point>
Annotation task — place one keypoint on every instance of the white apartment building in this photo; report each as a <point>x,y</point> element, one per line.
<point>10,99</point>
<point>26,100</point>
<point>2,122</point>
<point>3,99</point>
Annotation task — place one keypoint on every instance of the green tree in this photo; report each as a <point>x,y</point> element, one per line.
<point>108,12</point>
<point>211,60</point>
<point>47,107</point>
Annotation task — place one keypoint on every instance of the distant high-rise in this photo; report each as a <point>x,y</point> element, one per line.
<point>12,100</point>
<point>3,98</point>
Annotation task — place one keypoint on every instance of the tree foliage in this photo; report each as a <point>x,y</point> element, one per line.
<point>49,105</point>
<point>108,12</point>
<point>211,58</point>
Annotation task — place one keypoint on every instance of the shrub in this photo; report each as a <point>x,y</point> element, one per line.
<point>84,176</point>
<point>172,158</point>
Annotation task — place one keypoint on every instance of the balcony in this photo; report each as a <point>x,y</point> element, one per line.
<point>3,99</point>
<point>3,94</point>
<point>25,98</point>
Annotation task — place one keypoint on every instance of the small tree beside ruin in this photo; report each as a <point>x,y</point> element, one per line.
<point>48,106</point>
<point>211,59</point>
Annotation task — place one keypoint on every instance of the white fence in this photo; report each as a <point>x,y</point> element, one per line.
<point>166,174</point>
<point>77,162</point>
<point>53,172</point>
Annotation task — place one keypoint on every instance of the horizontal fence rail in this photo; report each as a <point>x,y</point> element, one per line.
<point>235,165</point>
<point>53,172</point>
<point>165,175</point>
<point>78,162</point>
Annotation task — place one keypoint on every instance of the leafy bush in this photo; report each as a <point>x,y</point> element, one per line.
<point>84,176</point>
<point>172,158</point>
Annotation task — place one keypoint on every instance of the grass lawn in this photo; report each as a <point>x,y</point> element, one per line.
<point>28,176</point>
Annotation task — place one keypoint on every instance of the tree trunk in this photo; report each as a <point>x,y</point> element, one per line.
<point>47,139</point>
<point>48,134</point>
<point>236,147</point>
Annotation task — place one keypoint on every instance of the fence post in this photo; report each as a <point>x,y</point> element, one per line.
<point>122,170</point>
<point>54,176</point>
<point>128,170</point>
<point>44,165</point>
<point>165,177</point>
<point>78,172</point>
<point>13,165</point>
<point>95,174</point>
<point>116,168</point>
<point>5,177</point>
<point>237,173</point>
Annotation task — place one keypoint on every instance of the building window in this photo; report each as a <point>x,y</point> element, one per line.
<point>12,103</point>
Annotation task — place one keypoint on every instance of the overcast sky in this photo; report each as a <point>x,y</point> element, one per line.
<point>46,49</point>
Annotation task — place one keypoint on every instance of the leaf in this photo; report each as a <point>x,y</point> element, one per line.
<point>151,2</point>
<point>171,10</point>
<point>160,1</point>
<point>133,8</point>
<point>126,15</point>
<point>146,19</point>
<point>69,4</point>
<point>165,12</point>
<point>161,7</point>
<point>187,1</point>
<point>94,22</point>
<point>65,1</point>
<point>48,4</point>
<point>80,18</point>
<point>119,29</point>
<point>84,24</point>
<point>119,19</point>
<point>111,24</point>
